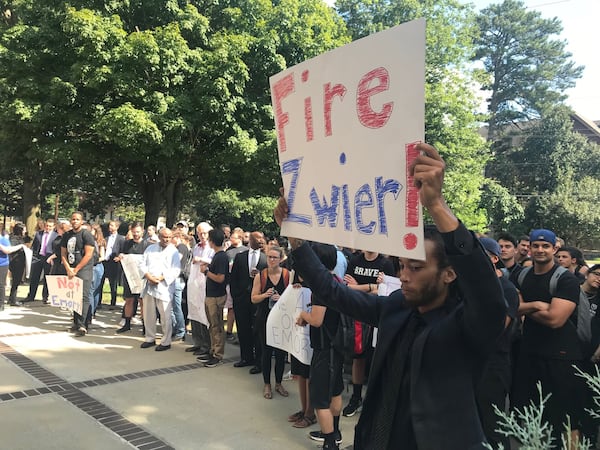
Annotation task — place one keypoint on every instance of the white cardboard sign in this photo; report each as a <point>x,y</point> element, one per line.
<point>347,123</point>
<point>282,331</point>
<point>66,293</point>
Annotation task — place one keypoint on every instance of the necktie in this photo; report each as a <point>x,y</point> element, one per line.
<point>44,244</point>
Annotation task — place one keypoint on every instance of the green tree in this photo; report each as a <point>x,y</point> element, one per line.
<point>555,174</point>
<point>527,70</point>
<point>154,96</point>
<point>450,121</point>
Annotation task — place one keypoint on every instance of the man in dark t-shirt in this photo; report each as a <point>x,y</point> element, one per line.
<point>326,366</point>
<point>494,384</point>
<point>549,346</point>
<point>361,275</point>
<point>217,277</point>
<point>77,250</point>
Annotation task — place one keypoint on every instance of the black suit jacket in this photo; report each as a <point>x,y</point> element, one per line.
<point>117,247</point>
<point>36,245</point>
<point>240,282</point>
<point>446,357</point>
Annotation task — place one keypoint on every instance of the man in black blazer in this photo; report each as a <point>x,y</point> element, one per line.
<point>435,334</point>
<point>246,265</point>
<point>42,250</point>
<point>112,268</point>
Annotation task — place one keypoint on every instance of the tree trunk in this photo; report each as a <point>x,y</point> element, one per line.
<point>173,200</point>
<point>32,196</point>
<point>152,190</point>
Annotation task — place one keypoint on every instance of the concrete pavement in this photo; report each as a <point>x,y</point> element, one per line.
<point>102,391</point>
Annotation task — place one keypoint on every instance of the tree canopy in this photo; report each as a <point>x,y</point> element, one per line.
<point>156,96</point>
<point>527,68</point>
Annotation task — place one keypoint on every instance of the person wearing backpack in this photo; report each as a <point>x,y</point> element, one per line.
<point>550,345</point>
<point>590,291</point>
<point>434,334</point>
<point>326,366</point>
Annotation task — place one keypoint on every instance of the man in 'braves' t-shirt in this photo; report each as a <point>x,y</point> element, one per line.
<point>361,274</point>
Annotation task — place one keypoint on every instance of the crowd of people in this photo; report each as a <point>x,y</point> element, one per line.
<point>477,324</point>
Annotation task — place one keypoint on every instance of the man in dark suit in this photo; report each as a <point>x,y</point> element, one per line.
<point>246,265</point>
<point>434,334</point>
<point>42,250</point>
<point>112,268</point>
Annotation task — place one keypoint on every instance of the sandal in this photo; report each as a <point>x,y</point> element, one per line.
<point>281,390</point>
<point>296,416</point>
<point>305,422</point>
<point>267,392</point>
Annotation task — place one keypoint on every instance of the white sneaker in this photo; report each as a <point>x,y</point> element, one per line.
<point>136,321</point>
<point>122,322</point>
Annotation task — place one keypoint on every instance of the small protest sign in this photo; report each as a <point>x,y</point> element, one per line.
<point>66,293</point>
<point>282,331</point>
<point>131,269</point>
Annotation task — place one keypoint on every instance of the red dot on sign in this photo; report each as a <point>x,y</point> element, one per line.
<point>410,241</point>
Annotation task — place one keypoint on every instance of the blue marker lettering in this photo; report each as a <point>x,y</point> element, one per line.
<point>363,199</point>
<point>346,208</point>
<point>381,189</point>
<point>324,211</point>
<point>293,167</point>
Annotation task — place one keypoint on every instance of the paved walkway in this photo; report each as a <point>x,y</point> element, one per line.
<point>102,392</point>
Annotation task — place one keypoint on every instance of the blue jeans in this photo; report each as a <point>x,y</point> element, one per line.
<point>96,287</point>
<point>177,313</point>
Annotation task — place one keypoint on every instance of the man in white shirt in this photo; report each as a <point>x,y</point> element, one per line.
<point>112,268</point>
<point>160,267</point>
<point>201,256</point>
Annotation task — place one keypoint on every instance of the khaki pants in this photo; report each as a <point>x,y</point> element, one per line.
<point>214,313</point>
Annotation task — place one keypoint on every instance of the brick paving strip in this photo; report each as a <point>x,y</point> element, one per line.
<point>130,432</point>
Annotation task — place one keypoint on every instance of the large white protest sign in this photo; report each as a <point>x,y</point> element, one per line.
<point>282,331</point>
<point>131,268</point>
<point>196,295</point>
<point>66,293</point>
<point>28,260</point>
<point>347,124</point>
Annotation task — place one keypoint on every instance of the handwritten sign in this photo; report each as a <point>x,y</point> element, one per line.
<point>389,285</point>
<point>347,124</point>
<point>65,293</point>
<point>131,268</point>
<point>282,331</point>
<point>196,295</point>
<point>384,289</point>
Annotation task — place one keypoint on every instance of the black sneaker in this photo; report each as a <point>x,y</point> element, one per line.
<point>212,362</point>
<point>318,436</point>
<point>354,406</point>
<point>205,357</point>
<point>81,331</point>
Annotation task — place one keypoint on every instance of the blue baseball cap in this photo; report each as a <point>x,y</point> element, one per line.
<point>542,235</point>
<point>490,245</point>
